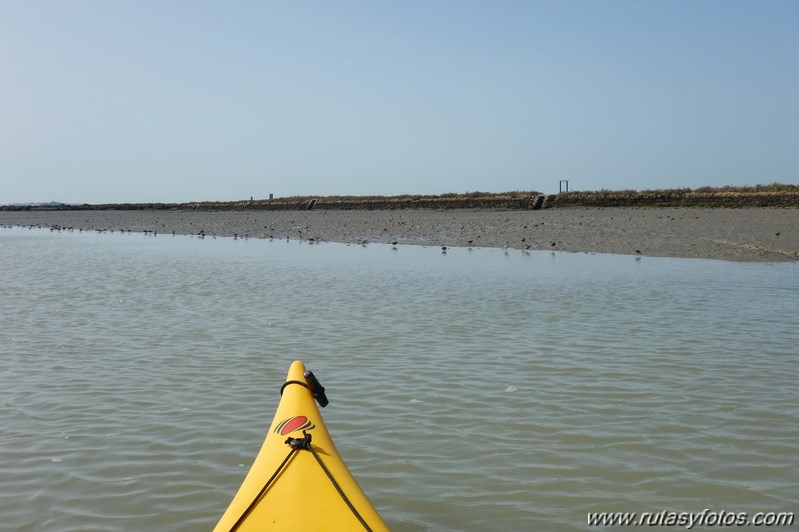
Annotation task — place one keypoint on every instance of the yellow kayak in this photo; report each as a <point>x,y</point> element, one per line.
<point>298,480</point>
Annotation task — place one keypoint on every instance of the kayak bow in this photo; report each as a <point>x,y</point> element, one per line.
<point>298,481</point>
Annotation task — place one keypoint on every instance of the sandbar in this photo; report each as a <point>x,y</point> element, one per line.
<point>757,234</point>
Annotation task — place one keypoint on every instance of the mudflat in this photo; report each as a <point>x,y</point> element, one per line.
<point>761,234</point>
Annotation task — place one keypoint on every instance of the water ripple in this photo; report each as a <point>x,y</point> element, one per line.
<point>472,391</point>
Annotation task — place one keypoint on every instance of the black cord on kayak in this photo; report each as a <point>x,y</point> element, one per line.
<point>300,443</point>
<point>304,385</point>
<point>338,488</point>
<point>317,390</point>
<point>261,493</point>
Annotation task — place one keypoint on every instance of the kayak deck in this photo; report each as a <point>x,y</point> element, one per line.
<point>298,480</point>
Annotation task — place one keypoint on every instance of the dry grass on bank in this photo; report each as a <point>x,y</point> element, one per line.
<point>772,195</point>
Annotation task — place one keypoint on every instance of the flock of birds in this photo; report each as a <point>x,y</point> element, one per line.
<point>524,246</point>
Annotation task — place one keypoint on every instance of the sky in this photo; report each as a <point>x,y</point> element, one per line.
<point>194,100</point>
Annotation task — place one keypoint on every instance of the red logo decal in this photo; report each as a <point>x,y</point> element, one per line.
<point>287,426</point>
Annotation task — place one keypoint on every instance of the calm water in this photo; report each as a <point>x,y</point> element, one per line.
<point>475,390</point>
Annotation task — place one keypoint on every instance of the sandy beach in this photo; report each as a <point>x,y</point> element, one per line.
<point>747,234</point>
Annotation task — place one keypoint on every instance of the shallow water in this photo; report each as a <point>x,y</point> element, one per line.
<point>472,390</point>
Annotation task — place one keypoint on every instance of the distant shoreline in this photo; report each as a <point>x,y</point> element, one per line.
<point>774,195</point>
<point>764,234</point>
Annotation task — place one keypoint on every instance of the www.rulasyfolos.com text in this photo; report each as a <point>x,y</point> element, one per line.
<point>689,520</point>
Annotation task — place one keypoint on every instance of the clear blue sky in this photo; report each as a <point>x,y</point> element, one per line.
<point>151,100</point>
